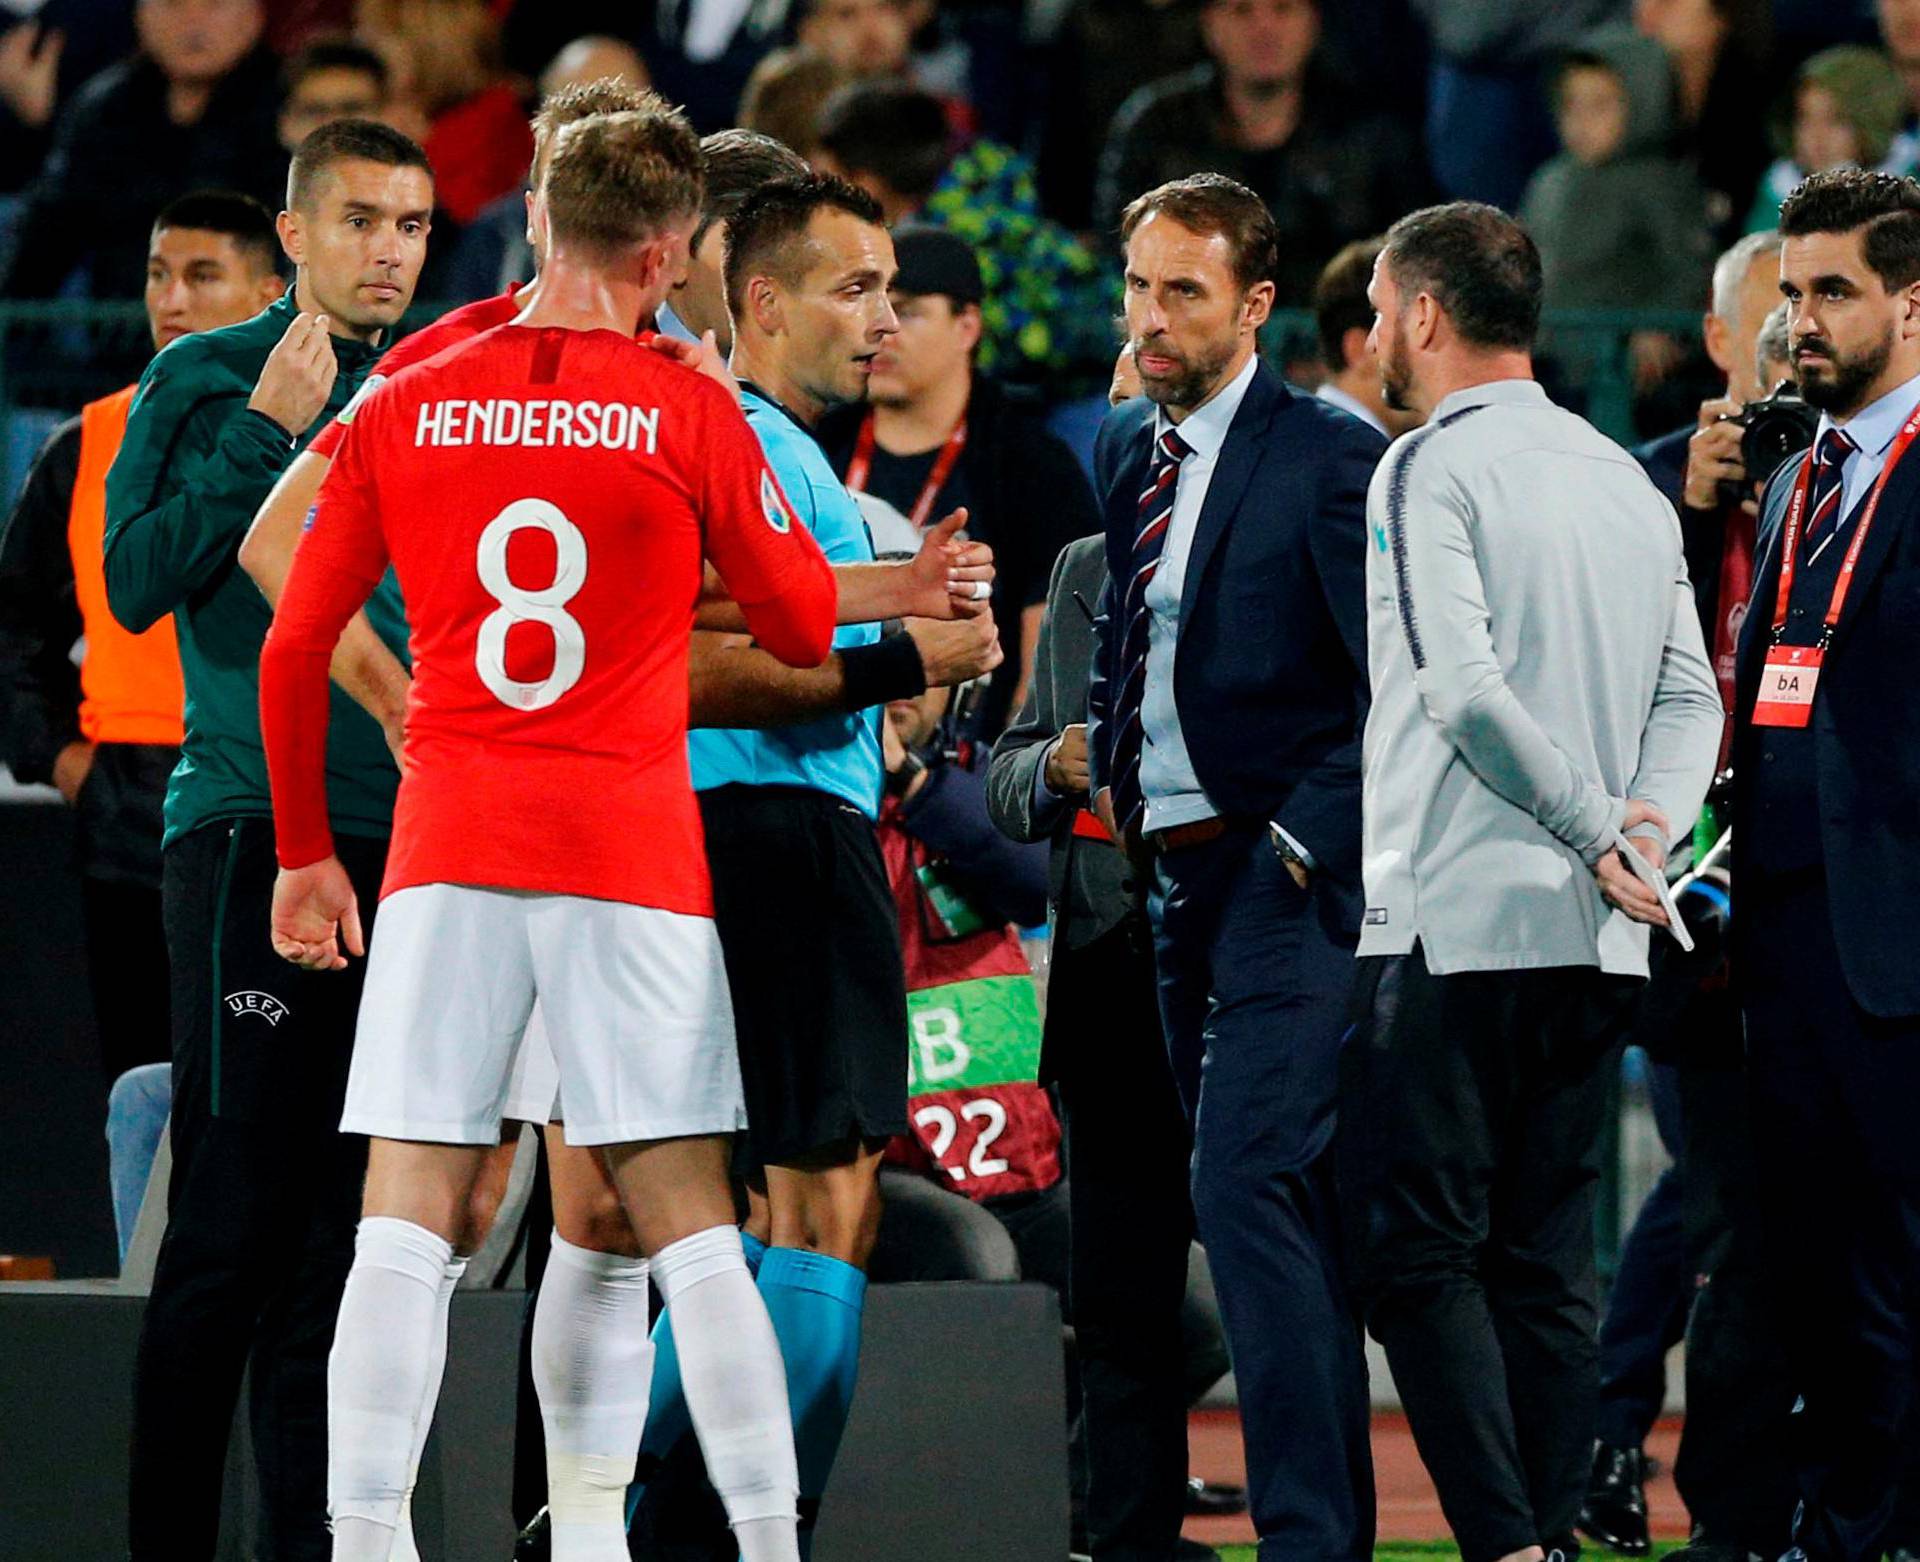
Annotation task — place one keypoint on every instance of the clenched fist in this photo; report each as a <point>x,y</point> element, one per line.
<point>952,651</point>
<point>298,377</point>
<point>1067,763</point>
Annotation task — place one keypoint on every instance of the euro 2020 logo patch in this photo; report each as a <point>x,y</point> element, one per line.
<point>268,1007</point>
<point>368,386</point>
<point>773,505</point>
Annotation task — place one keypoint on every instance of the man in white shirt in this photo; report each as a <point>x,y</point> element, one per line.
<point>1344,319</point>
<point>1539,686</point>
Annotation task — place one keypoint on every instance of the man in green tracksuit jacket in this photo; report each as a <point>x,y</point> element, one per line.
<point>265,1193</point>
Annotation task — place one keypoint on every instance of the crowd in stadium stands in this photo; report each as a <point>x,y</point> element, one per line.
<point>1647,145</point>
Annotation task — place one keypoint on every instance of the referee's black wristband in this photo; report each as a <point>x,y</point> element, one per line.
<point>888,670</point>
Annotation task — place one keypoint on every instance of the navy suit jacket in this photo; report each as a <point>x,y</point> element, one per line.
<point>1866,732</point>
<point>1703,533</point>
<point>1271,675</point>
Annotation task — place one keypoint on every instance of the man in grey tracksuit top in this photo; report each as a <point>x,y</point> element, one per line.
<point>1539,683</point>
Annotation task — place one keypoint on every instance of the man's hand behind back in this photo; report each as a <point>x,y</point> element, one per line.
<point>298,376</point>
<point>953,652</point>
<point>1619,884</point>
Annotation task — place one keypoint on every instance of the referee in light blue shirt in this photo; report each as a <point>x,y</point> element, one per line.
<point>1224,747</point>
<point>801,899</point>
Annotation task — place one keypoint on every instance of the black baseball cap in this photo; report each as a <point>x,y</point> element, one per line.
<point>932,260</point>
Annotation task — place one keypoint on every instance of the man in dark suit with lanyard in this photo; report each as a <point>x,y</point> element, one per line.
<point>1230,690</point>
<point>1827,851</point>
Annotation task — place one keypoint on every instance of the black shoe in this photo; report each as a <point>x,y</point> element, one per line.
<point>1615,1512</point>
<point>535,1542</point>
<point>1185,1550</point>
<point>1213,1500</point>
<point>1707,1551</point>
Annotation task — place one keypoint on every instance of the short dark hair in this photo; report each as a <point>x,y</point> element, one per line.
<point>1480,265</point>
<point>1340,298</point>
<point>239,217</point>
<point>1213,203</point>
<point>893,131</point>
<point>764,236</point>
<point>737,163</point>
<point>615,180</point>
<point>1886,205</point>
<point>349,140</point>
<point>336,54</point>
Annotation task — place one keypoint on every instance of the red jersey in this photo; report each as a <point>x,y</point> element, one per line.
<point>546,498</point>
<point>456,325</point>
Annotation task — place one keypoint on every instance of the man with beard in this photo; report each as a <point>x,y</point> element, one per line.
<point>1540,686</point>
<point>1826,757</point>
<point>1224,749</point>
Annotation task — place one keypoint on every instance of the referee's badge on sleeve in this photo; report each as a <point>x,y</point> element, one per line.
<point>773,504</point>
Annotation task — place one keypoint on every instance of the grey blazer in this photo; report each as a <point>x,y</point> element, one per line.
<point>1090,885</point>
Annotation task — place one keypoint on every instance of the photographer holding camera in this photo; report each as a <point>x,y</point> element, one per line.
<point>1702,1221</point>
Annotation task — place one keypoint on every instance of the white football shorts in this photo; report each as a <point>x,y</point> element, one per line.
<point>634,1002</point>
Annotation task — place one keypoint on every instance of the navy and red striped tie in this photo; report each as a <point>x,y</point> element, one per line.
<point>1829,457</point>
<point>1149,540</point>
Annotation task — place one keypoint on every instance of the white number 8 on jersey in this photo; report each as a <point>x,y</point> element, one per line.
<point>546,606</point>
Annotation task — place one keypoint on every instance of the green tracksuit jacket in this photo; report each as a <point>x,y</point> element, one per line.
<point>195,466</point>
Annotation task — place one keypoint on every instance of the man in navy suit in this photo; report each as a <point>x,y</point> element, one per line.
<point>1826,805</point>
<point>1230,690</point>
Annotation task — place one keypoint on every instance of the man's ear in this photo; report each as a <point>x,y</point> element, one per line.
<point>1715,333</point>
<point>293,239</point>
<point>1910,313</point>
<point>1258,306</point>
<point>764,306</point>
<point>1423,322</point>
<point>270,286</point>
<point>1353,349</point>
<point>971,325</point>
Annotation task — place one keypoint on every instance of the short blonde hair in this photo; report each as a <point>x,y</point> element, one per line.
<point>617,180</point>
<point>569,105</point>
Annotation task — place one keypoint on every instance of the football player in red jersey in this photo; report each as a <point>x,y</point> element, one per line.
<point>948,580</point>
<point>547,842</point>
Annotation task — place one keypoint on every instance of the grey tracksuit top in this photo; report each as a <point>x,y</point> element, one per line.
<point>1536,661</point>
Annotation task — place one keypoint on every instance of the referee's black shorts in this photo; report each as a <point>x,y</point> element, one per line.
<point>813,960</point>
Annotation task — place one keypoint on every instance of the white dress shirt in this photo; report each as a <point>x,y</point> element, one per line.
<point>1873,429</point>
<point>1167,781</point>
<point>1347,402</point>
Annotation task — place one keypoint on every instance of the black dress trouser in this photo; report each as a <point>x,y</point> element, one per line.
<point>1469,1162</point>
<point>1128,1149</point>
<point>1833,1122</point>
<point>261,1210</point>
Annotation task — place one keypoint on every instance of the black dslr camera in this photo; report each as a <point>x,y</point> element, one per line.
<point>1775,428</point>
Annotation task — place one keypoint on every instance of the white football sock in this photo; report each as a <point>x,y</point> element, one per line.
<point>736,1387</point>
<point>592,1367</point>
<point>377,1374</point>
<point>405,1547</point>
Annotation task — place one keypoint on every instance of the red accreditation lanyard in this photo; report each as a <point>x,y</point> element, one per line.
<point>1792,672</point>
<point>862,465</point>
